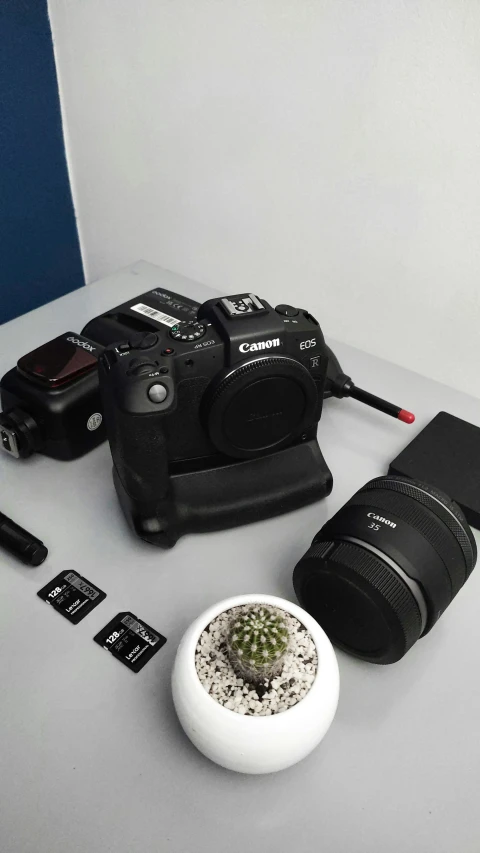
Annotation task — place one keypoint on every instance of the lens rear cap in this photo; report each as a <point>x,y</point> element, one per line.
<point>361,603</point>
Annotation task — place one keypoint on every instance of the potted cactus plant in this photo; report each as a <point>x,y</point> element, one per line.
<point>255,683</point>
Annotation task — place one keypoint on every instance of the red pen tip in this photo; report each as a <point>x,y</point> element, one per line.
<point>406,417</point>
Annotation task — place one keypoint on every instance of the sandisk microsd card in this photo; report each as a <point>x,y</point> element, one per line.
<point>130,640</point>
<point>73,596</point>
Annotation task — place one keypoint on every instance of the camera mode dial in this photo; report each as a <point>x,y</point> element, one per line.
<point>188,331</point>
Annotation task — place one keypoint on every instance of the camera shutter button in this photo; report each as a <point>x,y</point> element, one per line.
<point>144,340</point>
<point>287,310</point>
<point>157,393</point>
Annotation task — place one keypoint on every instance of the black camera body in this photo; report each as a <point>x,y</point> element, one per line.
<point>212,419</point>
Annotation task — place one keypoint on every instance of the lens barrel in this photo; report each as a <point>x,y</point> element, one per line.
<point>382,571</point>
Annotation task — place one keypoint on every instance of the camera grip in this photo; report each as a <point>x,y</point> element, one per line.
<point>140,456</point>
<point>138,447</point>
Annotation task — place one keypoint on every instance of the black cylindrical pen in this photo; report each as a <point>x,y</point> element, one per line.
<point>344,387</point>
<point>21,543</point>
<point>381,405</point>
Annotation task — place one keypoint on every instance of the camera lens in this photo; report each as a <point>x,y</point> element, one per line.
<point>381,572</point>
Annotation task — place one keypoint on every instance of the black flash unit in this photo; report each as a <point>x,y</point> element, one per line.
<point>51,401</point>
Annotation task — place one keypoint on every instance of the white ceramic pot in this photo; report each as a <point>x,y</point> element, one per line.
<point>250,744</point>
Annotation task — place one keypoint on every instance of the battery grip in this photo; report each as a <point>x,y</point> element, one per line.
<point>226,496</point>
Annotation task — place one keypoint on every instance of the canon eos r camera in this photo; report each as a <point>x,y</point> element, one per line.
<point>212,421</point>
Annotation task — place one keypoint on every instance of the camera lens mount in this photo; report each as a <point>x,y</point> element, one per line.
<point>260,405</point>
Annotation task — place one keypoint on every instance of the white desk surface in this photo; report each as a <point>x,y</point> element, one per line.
<point>92,757</point>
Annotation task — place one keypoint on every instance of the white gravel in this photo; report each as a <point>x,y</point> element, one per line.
<point>285,690</point>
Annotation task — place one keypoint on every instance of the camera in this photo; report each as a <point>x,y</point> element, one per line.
<point>212,419</point>
<point>51,400</point>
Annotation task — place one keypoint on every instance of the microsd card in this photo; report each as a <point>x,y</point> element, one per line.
<point>130,640</point>
<point>73,596</point>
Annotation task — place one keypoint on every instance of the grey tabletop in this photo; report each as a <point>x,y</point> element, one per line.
<point>92,756</point>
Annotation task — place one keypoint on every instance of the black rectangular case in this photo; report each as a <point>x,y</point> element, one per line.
<point>446,454</point>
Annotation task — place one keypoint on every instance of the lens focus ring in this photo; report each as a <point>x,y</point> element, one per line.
<point>440,504</point>
<point>439,537</point>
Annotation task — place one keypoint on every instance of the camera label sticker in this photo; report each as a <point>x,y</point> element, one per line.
<point>131,641</point>
<point>73,596</point>
<point>154,314</point>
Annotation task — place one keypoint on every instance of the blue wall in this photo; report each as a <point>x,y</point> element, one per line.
<point>39,249</point>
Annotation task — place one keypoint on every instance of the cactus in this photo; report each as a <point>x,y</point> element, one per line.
<point>257,640</point>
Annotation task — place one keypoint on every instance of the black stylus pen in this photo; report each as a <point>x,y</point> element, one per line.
<point>21,543</point>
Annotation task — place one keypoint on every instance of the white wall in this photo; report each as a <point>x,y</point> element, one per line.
<point>325,152</point>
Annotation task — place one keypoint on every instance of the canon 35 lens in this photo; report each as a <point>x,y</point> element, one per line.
<point>382,571</point>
